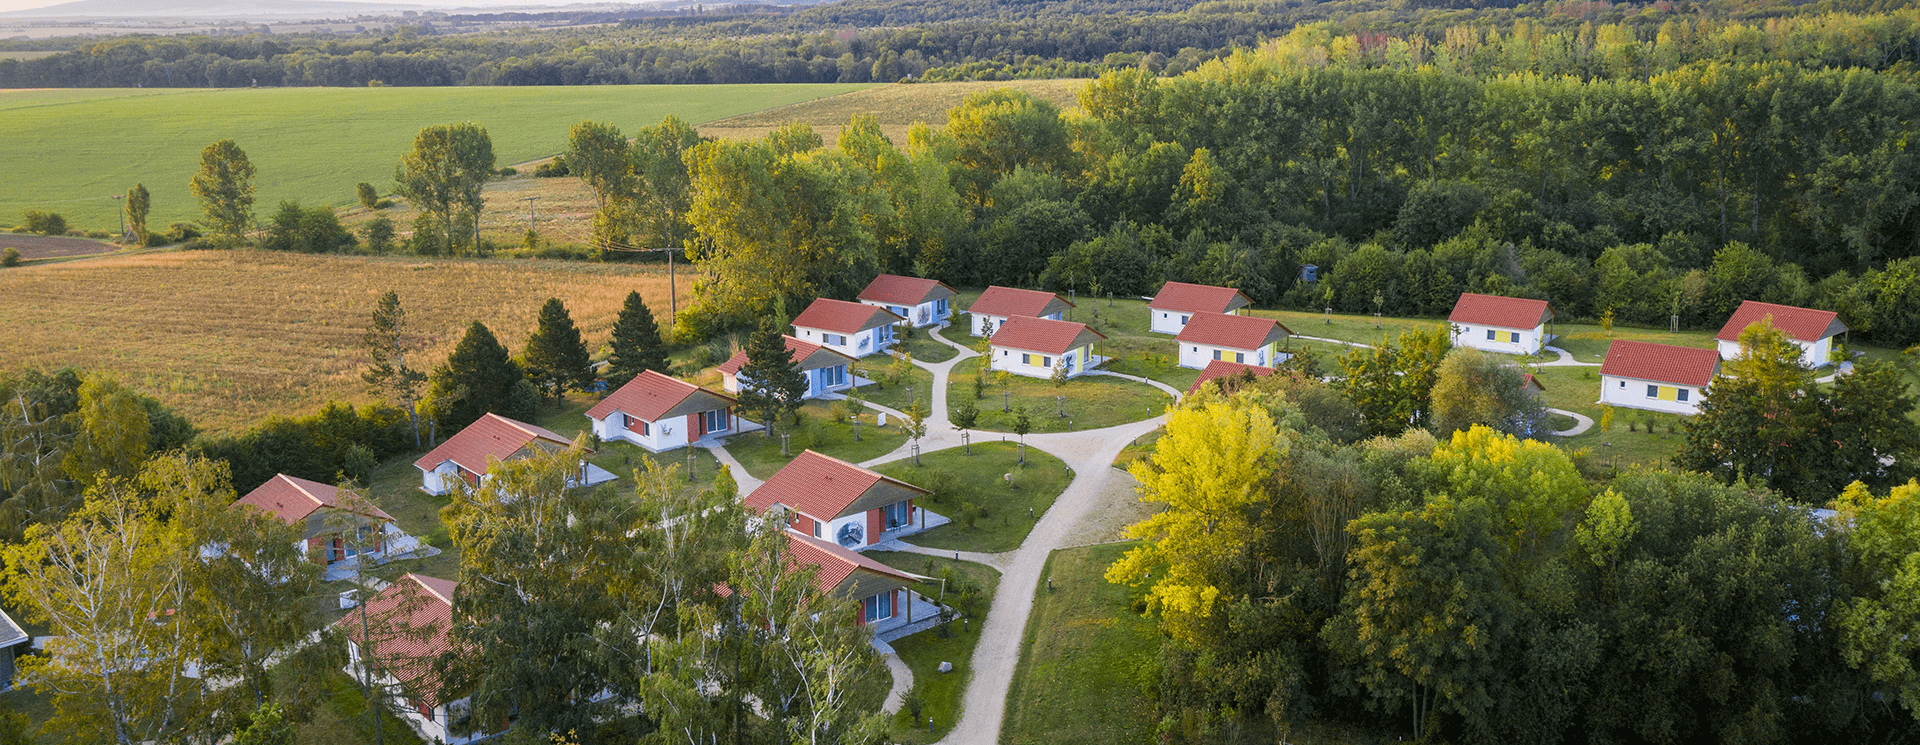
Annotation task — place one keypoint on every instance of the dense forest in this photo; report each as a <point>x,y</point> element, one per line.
<point>886,41</point>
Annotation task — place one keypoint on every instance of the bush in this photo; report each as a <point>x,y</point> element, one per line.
<point>341,440</point>
<point>508,171</point>
<point>11,258</point>
<point>551,169</point>
<point>44,223</point>
<point>369,196</point>
<point>181,232</point>
<point>379,234</point>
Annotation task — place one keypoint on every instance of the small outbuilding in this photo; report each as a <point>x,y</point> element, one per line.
<point>827,371</point>
<point>1034,347</point>
<point>1508,325</point>
<point>1811,330</point>
<point>661,413</point>
<point>853,329</point>
<point>1657,377</point>
<point>1178,302</point>
<point>921,302</point>
<point>998,304</point>
<point>1243,339</point>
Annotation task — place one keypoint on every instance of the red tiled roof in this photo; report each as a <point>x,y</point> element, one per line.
<point>1189,298</point>
<point>1232,332</point>
<point>1009,302</point>
<point>414,602</point>
<point>1044,336</point>
<point>1504,312</point>
<point>801,351</point>
<point>842,317</point>
<point>1222,368</point>
<point>820,486</point>
<point>491,436</point>
<point>1800,324</point>
<point>894,289</point>
<point>1528,381</point>
<point>295,499</point>
<point>1660,363</point>
<point>836,562</point>
<point>651,396</point>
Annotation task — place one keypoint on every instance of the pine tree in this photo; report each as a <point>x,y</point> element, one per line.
<point>636,343</point>
<point>556,357</point>
<point>477,378</point>
<point>387,370</point>
<point>772,382</point>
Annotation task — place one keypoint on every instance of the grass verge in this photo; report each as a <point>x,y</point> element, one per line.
<point>973,489</point>
<point>925,348</point>
<point>1089,401</point>
<point>940,693</point>
<point>818,431</point>
<point>1086,659</point>
<point>892,392</point>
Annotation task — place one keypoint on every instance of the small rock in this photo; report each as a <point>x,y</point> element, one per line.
<point>946,667</point>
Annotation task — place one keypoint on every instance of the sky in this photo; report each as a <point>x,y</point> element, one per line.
<point>6,5</point>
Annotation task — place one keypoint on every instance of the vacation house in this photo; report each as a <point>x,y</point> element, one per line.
<point>836,501</point>
<point>467,455</point>
<point>1177,302</point>
<point>884,595</point>
<point>1508,325</point>
<point>1035,347</point>
<point>998,304</point>
<point>1656,377</point>
<point>826,371</point>
<point>853,329</point>
<point>921,302</point>
<point>661,413</point>
<point>323,515</point>
<point>1811,330</point>
<point>1243,339</point>
<point>397,635</point>
<point>1218,369</point>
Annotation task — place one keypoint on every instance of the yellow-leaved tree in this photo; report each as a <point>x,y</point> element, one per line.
<point>1213,466</point>
<point>1880,628</point>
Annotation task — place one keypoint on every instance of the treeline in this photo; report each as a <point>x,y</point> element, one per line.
<point>1478,589</point>
<point>999,41</point>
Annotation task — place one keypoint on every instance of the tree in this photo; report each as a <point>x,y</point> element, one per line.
<point>1874,439</point>
<point>267,726</point>
<point>636,343</point>
<point>316,230</point>
<point>1880,629</point>
<point>536,558</point>
<point>44,223</point>
<point>139,203</point>
<point>224,185</point>
<point>479,377</point>
<point>771,381</point>
<point>663,181</point>
<point>1762,420</point>
<point>36,430</point>
<point>1477,388</point>
<point>369,197</point>
<point>442,176</point>
<point>556,358</point>
<point>598,154</point>
<point>386,347</point>
<point>379,234</point>
<point>114,432</point>
<point>1022,424</point>
<point>1213,465</point>
<point>11,258</point>
<point>965,417</point>
<point>914,426</point>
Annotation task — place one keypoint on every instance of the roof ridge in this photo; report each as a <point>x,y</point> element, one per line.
<point>421,580</point>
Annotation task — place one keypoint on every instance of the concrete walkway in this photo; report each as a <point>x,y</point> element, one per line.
<point>1565,359</point>
<point>1581,423</point>
<point>740,476</point>
<point>1334,341</point>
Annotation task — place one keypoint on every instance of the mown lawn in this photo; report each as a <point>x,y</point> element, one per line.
<point>940,693</point>
<point>1086,660</point>
<point>1002,512</point>
<point>1141,447</point>
<point>1090,401</point>
<point>818,430</point>
<point>914,385</point>
<point>921,344</point>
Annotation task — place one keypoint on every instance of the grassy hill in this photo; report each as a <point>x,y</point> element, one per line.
<point>71,150</point>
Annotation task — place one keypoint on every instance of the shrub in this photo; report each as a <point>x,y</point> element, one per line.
<point>11,258</point>
<point>44,223</point>
<point>508,171</point>
<point>181,232</point>
<point>379,234</point>
<point>369,196</point>
<point>551,169</point>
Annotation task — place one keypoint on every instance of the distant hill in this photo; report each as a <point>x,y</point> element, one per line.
<point>208,9</point>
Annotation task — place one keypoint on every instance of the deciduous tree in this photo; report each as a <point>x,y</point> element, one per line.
<point>224,185</point>
<point>442,176</point>
<point>1476,388</point>
<point>139,203</point>
<point>113,430</point>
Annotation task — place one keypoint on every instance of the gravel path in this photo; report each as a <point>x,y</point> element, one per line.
<point>1581,423</point>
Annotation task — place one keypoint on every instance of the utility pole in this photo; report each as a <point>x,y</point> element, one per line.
<point>122,209</point>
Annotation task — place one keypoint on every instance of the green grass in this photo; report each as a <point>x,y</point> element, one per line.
<point>1086,658</point>
<point>893,395</point>
<point>923,652</point>
<point>925,348</point>
<point>72,150</point>
<point>1092,401</point>
<point>957,479</point>
<point>1141,447</point>
<point>761,456</point>
<point>341,719</point>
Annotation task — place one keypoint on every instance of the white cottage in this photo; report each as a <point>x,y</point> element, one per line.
<point>1657,377</point>
<point>467,455</point>
<point>1245,340</point>
<point>998,304</point>
<point>1509,325</point>
<point>324,516</point>
<point>413,616</point>
<point>1811,330</point>
<point>1034,347</point>
<point>838,502</point>
<point>853,329</point>
<point>826,371</point>
<point>922,302</point>
<point>1178,302</point>
<point>662,413</point>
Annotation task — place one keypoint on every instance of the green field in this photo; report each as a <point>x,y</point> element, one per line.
<point>72,150</point>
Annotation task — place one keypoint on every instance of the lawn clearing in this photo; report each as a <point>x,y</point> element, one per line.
<point>1090,401</point>
<point>818,431</point>
<point>1007,514</point>
<point>310,144</point>
<point>925,348</point>
<point>923,652</point>
<point>893,392</point>
<point>1086,660</point>
<point>227,338</point>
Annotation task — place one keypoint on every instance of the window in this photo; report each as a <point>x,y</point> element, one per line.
<point>940,306</point>
<point>1240,357</point>
<point>831,338</point>
<point>1513,336</point>
<point>880,607</point>
<point>1489,334</point>
<point>1623,384</point>
<point>1216,352</point>
<point>816,527</point>
<point>1183,320</point>
<point>1026,359</point>
<point>717,420</point>
<point>896,514</point>
<point>1653,391</point>
<point>1681,396</point>
<point>1046,362</point>
<point>836,375</point>
<point>1163,315</point>
<point>637,425</point>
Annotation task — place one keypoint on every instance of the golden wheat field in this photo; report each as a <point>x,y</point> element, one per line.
<point>229,337</point>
